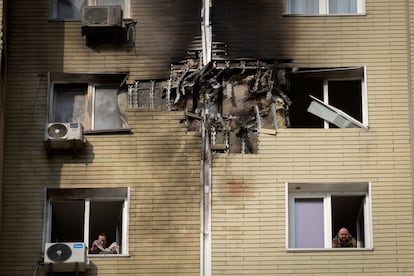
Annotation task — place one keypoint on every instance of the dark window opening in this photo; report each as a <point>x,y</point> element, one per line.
<point>106,217</point>
<point>67,220</point>
<point>346,95</point>
<point>300,89</point>
<point>347,211</point>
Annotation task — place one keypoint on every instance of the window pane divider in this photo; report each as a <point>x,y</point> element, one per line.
<point>327,220</point>
<point>86,221</point>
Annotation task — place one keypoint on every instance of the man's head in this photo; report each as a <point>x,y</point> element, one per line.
<point>343,234</point>
<point>102,239</point>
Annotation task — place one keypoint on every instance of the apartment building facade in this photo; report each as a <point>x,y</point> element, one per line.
<point>208,138</point>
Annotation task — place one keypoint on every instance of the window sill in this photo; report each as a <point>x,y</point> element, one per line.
<point>324,15</point>
<point>297,250</point>
<point>107,131</point>
<point>99,256</point>
<point>300,129</point>
<point>64,20</point>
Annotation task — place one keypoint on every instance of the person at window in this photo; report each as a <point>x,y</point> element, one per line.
<point>99,246</point>
<point>343,239</point>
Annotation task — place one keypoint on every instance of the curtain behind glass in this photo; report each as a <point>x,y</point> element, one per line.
<point>309,223</point>
<point>304,6</point>
<point>106,114</point>
<point>343,6</point>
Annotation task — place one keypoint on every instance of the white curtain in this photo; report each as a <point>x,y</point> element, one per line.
<point>303,6</point>
<point>342,6</point>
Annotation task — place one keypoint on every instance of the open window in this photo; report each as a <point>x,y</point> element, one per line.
<point>328,98</point>
<point>71,9</point>
<point>316,212</point>
<point>80,215</point>
<point>97,101</point>
<point>325,7</point>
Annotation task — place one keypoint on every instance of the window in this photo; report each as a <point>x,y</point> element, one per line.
<point>328,98</point>
<point>71,9</point>
<point>97,101</point>
<point>325,7</point>
<point>316,212</point>
<point>66,9</point>
<point>80,215</point>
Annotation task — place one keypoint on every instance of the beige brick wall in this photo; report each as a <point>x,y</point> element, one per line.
<point>249,228</point>
<point>160,160</point>
<point>249,212</point>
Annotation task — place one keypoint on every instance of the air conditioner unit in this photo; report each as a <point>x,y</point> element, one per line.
<point>101,16</point>
<point>66,257</point>
<point>64,135</point>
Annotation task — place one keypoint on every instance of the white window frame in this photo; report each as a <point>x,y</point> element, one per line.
<point>324,8</point>
<point>364,97</point>
<point>47,229</point>
<point>325,191</point>
<point>335,74</point>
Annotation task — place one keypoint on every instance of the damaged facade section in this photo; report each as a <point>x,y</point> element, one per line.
<point>235,98</point>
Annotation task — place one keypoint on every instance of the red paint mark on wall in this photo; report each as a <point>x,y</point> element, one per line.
<point>235,187</point>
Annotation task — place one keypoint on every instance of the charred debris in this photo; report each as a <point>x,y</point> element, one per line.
<point>234,97</point>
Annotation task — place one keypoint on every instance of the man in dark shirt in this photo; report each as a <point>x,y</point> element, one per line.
<point>343,239</point>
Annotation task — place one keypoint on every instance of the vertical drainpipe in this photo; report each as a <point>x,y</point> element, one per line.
<point>205,204</point>
<point>205,175</point>
<point>206,32</point>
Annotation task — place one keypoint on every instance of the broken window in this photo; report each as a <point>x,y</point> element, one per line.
<point>98,102</point>
<point>71,9</point>
<point>327,98</point>
<point>316,212</point>
<point>80,215</point>
<point>324,7</point>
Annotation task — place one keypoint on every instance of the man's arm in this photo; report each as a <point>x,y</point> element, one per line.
<point>94,248</point>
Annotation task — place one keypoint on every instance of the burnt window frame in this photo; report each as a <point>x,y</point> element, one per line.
<point>90,83</point>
